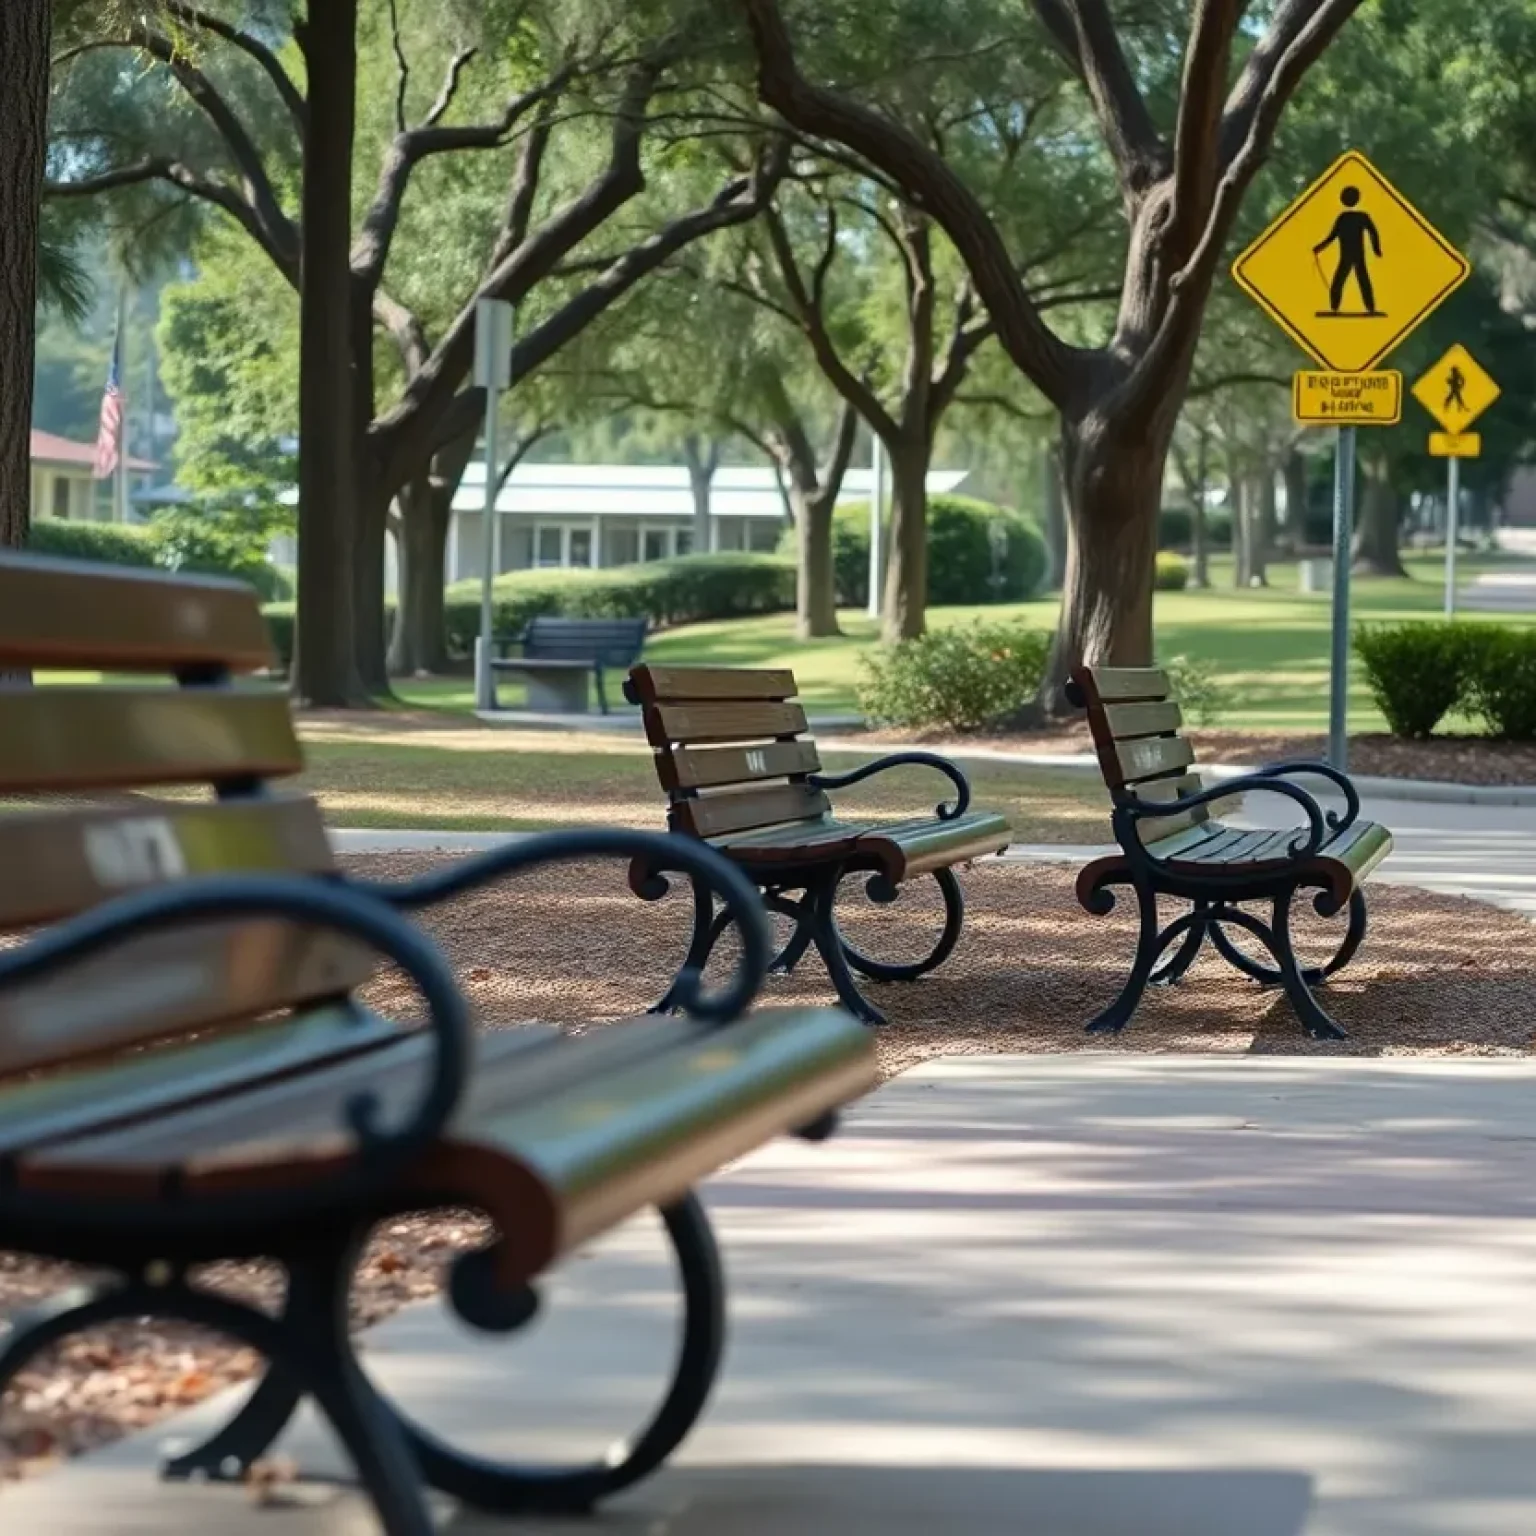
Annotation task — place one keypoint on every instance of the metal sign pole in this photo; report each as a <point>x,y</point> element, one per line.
<point>1452,529</point>
<point>876,509</point>
<point>493,368</point>
<point>1343,538</point>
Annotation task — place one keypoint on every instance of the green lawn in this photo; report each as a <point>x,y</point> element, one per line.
<point>484,779</point>
<point>1270,646</point>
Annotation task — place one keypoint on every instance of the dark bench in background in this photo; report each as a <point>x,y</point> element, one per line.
<point>1174,844</point>
<point>276,1116</point>
<point>559,656</point>
<point>740,773</point>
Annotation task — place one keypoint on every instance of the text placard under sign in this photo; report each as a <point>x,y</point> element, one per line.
<point>1348,399</point>
<point>1454,445</point>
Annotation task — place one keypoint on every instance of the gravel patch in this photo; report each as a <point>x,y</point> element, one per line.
<point>1438,975</point>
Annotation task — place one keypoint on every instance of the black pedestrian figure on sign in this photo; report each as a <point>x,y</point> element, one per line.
<point>1350,231</point>
<point>1456,381</point>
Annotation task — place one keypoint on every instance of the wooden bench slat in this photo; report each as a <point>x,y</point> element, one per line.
<point>119,1091</point>
<point>56,863</point>
<point>1148,757</point>
<point>742,810</point>
<point>666,685</point>
<point>910,849</point>
<point>1120,684</point>
<point>106,738</point>
<point>1128,720</point>
<point>70,614</point>
<point>165,984</point>
<point>710,767</point>
<point>671,723</point>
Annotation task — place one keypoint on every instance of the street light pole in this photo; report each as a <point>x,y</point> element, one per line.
<point>876,520</point>
<point>493,373</point>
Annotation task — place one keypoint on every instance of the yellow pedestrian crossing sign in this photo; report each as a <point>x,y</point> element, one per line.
<point>1350,268</point>
<point>1456,391</point>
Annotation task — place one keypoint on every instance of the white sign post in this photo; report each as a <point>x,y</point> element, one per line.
<point>493,373</point>
<point>876,510</point>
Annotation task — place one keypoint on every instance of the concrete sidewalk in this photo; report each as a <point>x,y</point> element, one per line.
<point>1053,1296</point>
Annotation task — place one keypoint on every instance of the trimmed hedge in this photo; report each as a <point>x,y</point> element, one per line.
<point>1171,573</point>
<point>1419,672</point>
<point>147,546</point>
<point>957,678</point>
<point>960,558</point>
<point>686,590</point>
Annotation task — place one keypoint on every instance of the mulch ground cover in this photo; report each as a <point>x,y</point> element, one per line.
<point>1438,975</point>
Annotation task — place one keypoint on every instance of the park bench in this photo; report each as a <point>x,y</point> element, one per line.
<point>740,773</point>
<point>559,656</point>
<point>1174,844</point>
<point>187,1076</point>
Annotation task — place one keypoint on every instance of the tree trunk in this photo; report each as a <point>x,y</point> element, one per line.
<point>906,573</point>
<point>1266,510</point>
<point>325,671</point>
<point>24,42</point>
<point>1295,499</point>
<point>815,578</point>
<point>1114,483</point>
<point>418,645</point>
<point>703,459</point>
<point>1199,529</point>
<point>372,507</point>
<point>1055,517</point>
<point>1376,548</point>
<point>1238,503</point>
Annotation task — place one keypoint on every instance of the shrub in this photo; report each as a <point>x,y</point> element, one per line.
<point>1418,672</point>
<point>956,678</point>
<point>279,617</point>
<point>1194,682</point>
<point>110,543</point>
<point>1500,666</point>
<point>1172,572</point>
<point>1175,528</point>
<point>961,562</point>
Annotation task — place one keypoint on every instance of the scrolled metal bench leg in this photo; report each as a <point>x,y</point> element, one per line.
<point>800,913</point>
<point>1192,927</point>
<point>1314,1018</point>
<point>228,1454</point>
<point>701,944</point>
<point>508,1489</point>
<point>1314,976</point>
<point>878,889</point>
<point>1148,946</point>
<point>829,945</point>
<point>1354,937</point>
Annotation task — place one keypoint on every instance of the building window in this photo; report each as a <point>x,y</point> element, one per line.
<point>547,549</point>
<point>581,546</point>
<point>656,541</point>
<point>60,496</point>
<point>683,541</point>
<point>763,536</point>
<point>623,546</point>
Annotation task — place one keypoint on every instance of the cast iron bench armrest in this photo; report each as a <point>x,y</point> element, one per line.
<point>326,903</point>
<point>1341,781</point>
<point>659,852</point>
<point>904,760</point>
<point>1318,830</point>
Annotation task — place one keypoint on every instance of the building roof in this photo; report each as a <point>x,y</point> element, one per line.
<point>651,490</point>
<point>65,453</point>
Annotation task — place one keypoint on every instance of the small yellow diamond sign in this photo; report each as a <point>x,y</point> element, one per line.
<point>1456,391</point>
<point>1348,399</point>
<point>1350,268</point>
<point>1447,445</point>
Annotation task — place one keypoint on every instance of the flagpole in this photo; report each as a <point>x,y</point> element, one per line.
<point>120,483</point>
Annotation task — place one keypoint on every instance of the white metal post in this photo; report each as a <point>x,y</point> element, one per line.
<point>876,521</point>
<point>493,372</point>
<point>1452,529</point>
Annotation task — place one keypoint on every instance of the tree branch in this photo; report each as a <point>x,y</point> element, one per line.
<point>1084,33</point>
<point>253,48</point>
<point>402,66</point>
<point>1197,139</point>
<point>929,184</point>
<point>450,87</point>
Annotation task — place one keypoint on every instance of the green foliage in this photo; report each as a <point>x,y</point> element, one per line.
<point>109,543</point>
<point>962,567</point>
<point>1172,573</point>
<point>1175,528</point>
<point>1417,672</point>
<point>956,679</point>
<point>1501,668</point>
<point>1196,686</point>
<point>225,541</point>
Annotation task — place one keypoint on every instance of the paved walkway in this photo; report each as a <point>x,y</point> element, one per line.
<point>1050,1296</point>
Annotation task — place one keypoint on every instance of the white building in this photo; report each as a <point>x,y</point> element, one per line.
<point>64,483</point>
<point>613,514</point>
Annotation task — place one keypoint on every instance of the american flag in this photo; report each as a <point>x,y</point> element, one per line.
<point>109,434</point>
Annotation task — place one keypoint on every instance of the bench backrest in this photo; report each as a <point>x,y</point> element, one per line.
<point>186,723</point>
<point>729,745</point>
<point>1137,729</point>
<point>613,642</point>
